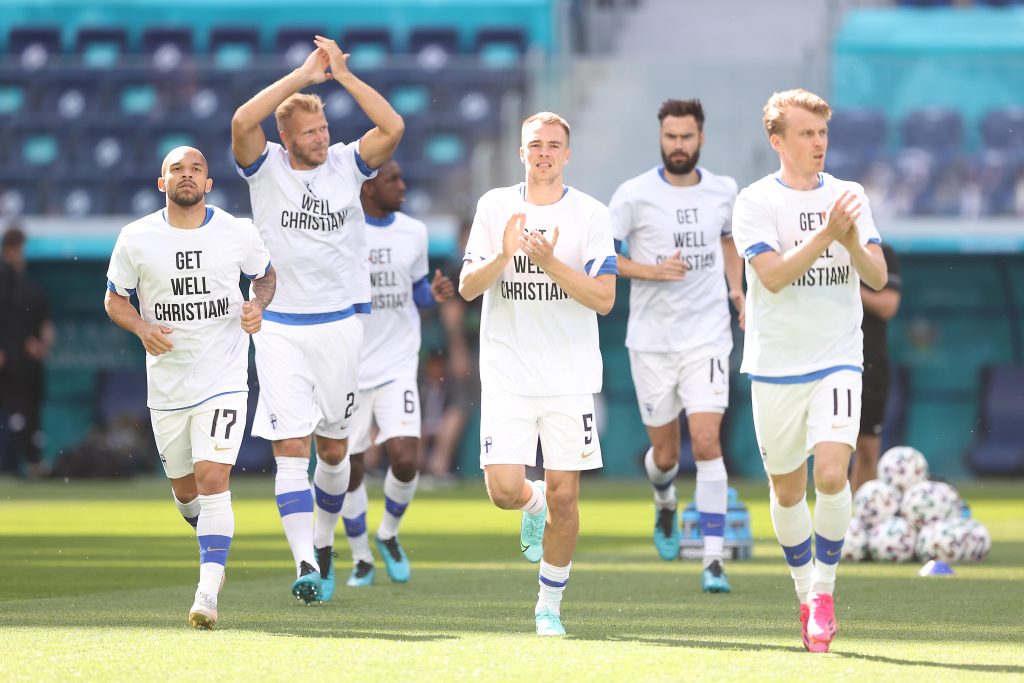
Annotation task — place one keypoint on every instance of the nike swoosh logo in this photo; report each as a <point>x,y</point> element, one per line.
<point>797,557</point>
<point>714,525</point>
<point>408,422</point>
<point>831,553</point>
<point>287,502</point>
<point>225,448</point>
<point>215,550</point>
<point>719,391</point>
<point>587,455</point>
<point>522,547</point>
<point>839,426</point>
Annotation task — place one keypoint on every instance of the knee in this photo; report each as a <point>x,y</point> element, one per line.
<point>706,446</point>
<point>185,489</point>
<point>505,494</point>
<point>291,448</point>
<point>332,452</point>
<point>402,456</point>
<point>666,456</point>
<point>788,496</point>
<point>829,477</point>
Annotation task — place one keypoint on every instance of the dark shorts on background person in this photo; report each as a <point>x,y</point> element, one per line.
<point>873,398</point>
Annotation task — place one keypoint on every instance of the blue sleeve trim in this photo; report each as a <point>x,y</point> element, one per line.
<point>363,168</point>
<point>618,246</point>
<point>258,275</point>
<point>421,293</point>
<point>755,249</point>
<point>809,377</point>
<point>609,267</point>
<point>875,240</point>
<point>113,288</point>
<point>248,171</point>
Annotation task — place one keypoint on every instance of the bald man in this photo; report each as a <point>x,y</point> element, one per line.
<point>183,263</point>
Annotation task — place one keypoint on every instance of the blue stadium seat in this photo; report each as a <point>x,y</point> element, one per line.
<point>74,100</point>
<point>37,150</point>
<point>135,97</point>
<point>294,43</point>
<point>101,47</point>
<point>1000,448</point>
<point>138,196</point>
<point>433,47</point>
<point>500,48</point>
<point>939,130</point>
<point>17,96</point>
<point>34,46</point>
<point>78,197</point>
<point>1004,129</point>
<point>109,151</point>
<point>167,48</point>
<point>233,48</point>
<point>20,196</point>
<point>121,392</point>
<point>370,47</point>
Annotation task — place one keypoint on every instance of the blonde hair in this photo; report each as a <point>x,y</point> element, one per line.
<point>779,104</point>
<point>311,104</point>
<point>549,117</point>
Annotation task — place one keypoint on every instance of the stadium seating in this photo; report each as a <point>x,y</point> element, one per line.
<point>999,450</point>
<point>101,47</point>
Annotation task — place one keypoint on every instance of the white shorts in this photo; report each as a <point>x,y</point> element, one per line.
<point>394,406</point>
<point>510,425</point>
<point>667,383</point>
<point>791,419</point>
<point>212,430</point>
<point>308,378</point>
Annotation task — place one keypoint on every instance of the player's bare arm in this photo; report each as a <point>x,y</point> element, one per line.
<point>379,143</point>
<point>262,294</point>
<point>776,271</point>
<point>155,338</point>
<point>477,278</point>
<point>247,138</point>
<point>441,287</point>
<point>868,260</point>
<point>596,293</point>
<point>734,277</point>
<point>670,269</point>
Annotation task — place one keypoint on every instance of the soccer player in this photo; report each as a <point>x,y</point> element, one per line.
<point>809,241</point>
<point>677,220</point>
<point>183,264</point>
<point>388,394</point>
<point>305,202</point>
<point>879,309</point>
<point>542,255</point>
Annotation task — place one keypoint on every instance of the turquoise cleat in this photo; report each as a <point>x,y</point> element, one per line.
<point>531,532</point>
<point>549,624</point>
<point>362,575</point>
<point>666,534</point>
<point>307,587</point>
<point>713,579</point>
<point>325,557</point>
<point>395,560</point>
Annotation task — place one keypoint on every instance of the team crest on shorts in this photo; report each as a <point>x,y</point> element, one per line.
<point>273,421</point>
<point>764,454</point>
<point>488,442</point>
<point>650,408</point>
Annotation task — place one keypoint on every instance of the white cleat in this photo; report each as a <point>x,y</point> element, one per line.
<point>203,614</point>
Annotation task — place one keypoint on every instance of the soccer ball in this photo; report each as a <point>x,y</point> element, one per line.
<point>855,545</point>
<point>902,466</point>
<point>939,540</point>
<point>875,502</point>
<point>892,541</point>
<point>976,541</point>
<point>930,501</point>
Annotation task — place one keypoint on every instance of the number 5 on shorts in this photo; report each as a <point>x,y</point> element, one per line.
<point>588,428</point>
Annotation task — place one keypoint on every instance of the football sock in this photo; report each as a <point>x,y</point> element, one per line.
<point>397,496</point>
<point>295,505</point>
<point>664,488</point>
<point>712,500</point>
<point>189,510</point>
<point>215,529</point>
<point>793,529</point>
<point>537,500</point>
<point>832,513</point>
<point>552,584</point>
<point>330,482</point>
<point>353,513</point>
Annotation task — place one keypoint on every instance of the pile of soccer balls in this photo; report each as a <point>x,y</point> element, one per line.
<point>903,516</point>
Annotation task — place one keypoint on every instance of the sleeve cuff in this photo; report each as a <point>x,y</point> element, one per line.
<point>755,249</point>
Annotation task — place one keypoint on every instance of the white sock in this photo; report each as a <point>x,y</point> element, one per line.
<point>189,510</point>
<point>832,512</point>
<point>552,582</point>
<point>353,513</point>
<point>664,489</point>
<point>397,496</point>
<point>712,501</point>
<point>793,529</point>
<point>295,504</point>
<point>216,528</point>
<point>537,501</point>
<point>330,482</point>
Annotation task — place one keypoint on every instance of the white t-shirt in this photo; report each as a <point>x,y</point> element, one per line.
<point>535,340</point>
<point>188,280</point>
<point>811,326</point>
<point>312,222</point>
<point>391,333</point>
<point>657,220</point>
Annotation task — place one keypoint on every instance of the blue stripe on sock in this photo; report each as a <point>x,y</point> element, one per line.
<point>554,584</point>
<point>663,487</point>
<point>294,502</point>
<point>194,521</point>
<point>798,555</point>
<point>393,508</point>
<point>712,524</point>
<point>328,502</point>
<point>214,548</point>
<point>827,551</point>
<point>355,526</point>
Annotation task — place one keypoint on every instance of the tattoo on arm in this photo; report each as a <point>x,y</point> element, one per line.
<point>263,288</point>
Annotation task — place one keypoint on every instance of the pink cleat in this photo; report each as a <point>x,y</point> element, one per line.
<point>820,625</point>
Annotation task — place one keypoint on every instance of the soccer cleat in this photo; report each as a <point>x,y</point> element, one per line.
<point>821,620</point>
<point>666,534</point>
<point>531,532</point>
<point>203,614</point>
<point>308,587</point>
<point>713,579</point>
<point>549,624</point>
<point>362,575</point>
<point>812,646</point>
<point>325,558</point>
<point>395,560</point>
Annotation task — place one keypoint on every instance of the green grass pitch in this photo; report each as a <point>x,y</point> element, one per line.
<point>97,579</point>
